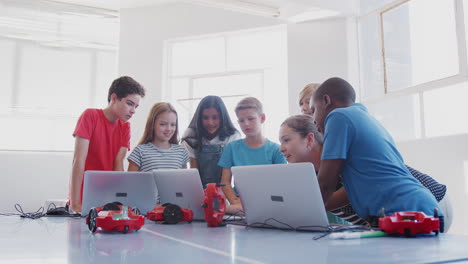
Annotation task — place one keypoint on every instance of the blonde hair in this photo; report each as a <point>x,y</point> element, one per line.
<point>250,103</point>
<point>303,125</point>
<point>156,110</point>
<point>308,90</point>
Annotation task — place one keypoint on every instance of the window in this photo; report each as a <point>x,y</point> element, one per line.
<point>420,43</point>
<point>424,47</point>
<point>232,65</point>
<point>57,60</point>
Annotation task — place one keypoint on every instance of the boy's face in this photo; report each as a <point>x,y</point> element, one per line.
<point>320,112</point>
<point>165,126</point>
<point>250,122</point>
<point>124,108</point>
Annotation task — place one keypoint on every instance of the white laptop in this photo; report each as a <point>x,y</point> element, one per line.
<point>135,189</point>
<point>182,187</point>
<point>281,196</point>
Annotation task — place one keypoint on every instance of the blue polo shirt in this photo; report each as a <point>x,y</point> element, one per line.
<point>237,153</point>
<point>373,174</point>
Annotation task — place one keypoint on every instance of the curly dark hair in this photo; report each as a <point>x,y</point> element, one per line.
<point>124,86</point>
<point>226,128</point>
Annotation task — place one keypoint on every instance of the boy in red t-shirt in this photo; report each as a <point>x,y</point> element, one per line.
<point>102,136</point>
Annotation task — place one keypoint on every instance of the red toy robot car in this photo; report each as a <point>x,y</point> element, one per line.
<point>170,214</point>
<point>214,205</point>
<point>410,223</point>
<point>115,217</point>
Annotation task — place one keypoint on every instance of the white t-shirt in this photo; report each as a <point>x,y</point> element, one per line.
<point>205,141</point>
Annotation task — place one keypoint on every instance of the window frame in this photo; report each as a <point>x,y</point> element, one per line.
<point>418,89</point>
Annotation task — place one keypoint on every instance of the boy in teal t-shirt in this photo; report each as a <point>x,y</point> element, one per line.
<point>254,149</point>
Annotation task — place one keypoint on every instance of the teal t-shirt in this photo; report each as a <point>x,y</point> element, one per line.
<point>237,153</point>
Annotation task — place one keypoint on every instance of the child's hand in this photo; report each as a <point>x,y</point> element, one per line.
<point>235,209</point>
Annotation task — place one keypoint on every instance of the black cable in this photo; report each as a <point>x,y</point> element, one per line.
<point>32,215</point>
<point>325,229</point>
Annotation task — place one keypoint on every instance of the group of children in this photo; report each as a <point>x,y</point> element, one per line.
<point>359,168</point>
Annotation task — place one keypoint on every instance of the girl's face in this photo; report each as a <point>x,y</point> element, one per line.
<point>211,120</point>
<point>250,122</point>
<point>165,126</point>
<point>293,145</point>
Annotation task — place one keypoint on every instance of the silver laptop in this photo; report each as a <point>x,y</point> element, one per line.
<point>135,189</point>
<point>182,187</point>
<point>281,196</point>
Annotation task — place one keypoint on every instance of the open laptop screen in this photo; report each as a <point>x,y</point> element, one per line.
<point>182,187</point>
<point>281,196</point>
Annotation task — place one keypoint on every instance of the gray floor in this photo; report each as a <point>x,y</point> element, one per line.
<point>62,240</point>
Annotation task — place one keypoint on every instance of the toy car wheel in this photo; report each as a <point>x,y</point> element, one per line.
<point>172,214</point>
<point>136,211</point>
<point>93,213</point>
<point>125,229</point>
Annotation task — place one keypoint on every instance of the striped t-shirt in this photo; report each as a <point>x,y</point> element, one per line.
<point>149,157</point>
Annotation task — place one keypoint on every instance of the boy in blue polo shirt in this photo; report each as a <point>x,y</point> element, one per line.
<point>358,146</point>
<point>254,149</point>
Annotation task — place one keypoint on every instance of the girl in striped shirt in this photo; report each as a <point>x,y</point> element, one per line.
<point>159,147</point>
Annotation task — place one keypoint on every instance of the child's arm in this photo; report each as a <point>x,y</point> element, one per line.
<point>193,163</point>
<point>118,162</point>
<point>79,158</point>
<point>337,200</point>
<point>226,177</point>
<point>328,177</point>
<point>132,166</point>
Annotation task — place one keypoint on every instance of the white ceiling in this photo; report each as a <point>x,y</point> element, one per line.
<point>286,8</point>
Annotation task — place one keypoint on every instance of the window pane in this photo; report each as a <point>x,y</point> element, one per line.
<point>198,56</point>
<point>400,116</point>
<point>180,94</point>
<point>254,50</point>
<point>54,78</point>
<point>420,43</point>
<point>7,53</point>
<point>231,88</point>
<point>371,58</point>
<point>446,110</point>
<point>242,84</point>
<point>106,66</point>
<point>26,132</point>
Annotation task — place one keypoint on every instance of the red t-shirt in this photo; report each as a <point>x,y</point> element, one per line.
<point>105,139</point>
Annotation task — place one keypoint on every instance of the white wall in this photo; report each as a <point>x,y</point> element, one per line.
<point>31,178</point>
<point>316,51</point>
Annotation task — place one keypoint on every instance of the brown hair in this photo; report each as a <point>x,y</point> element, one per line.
<point>156,110</point>
<point>250,103</point>
<point>303,125</point>
<point>308,90</point>
<point>124,86</point>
